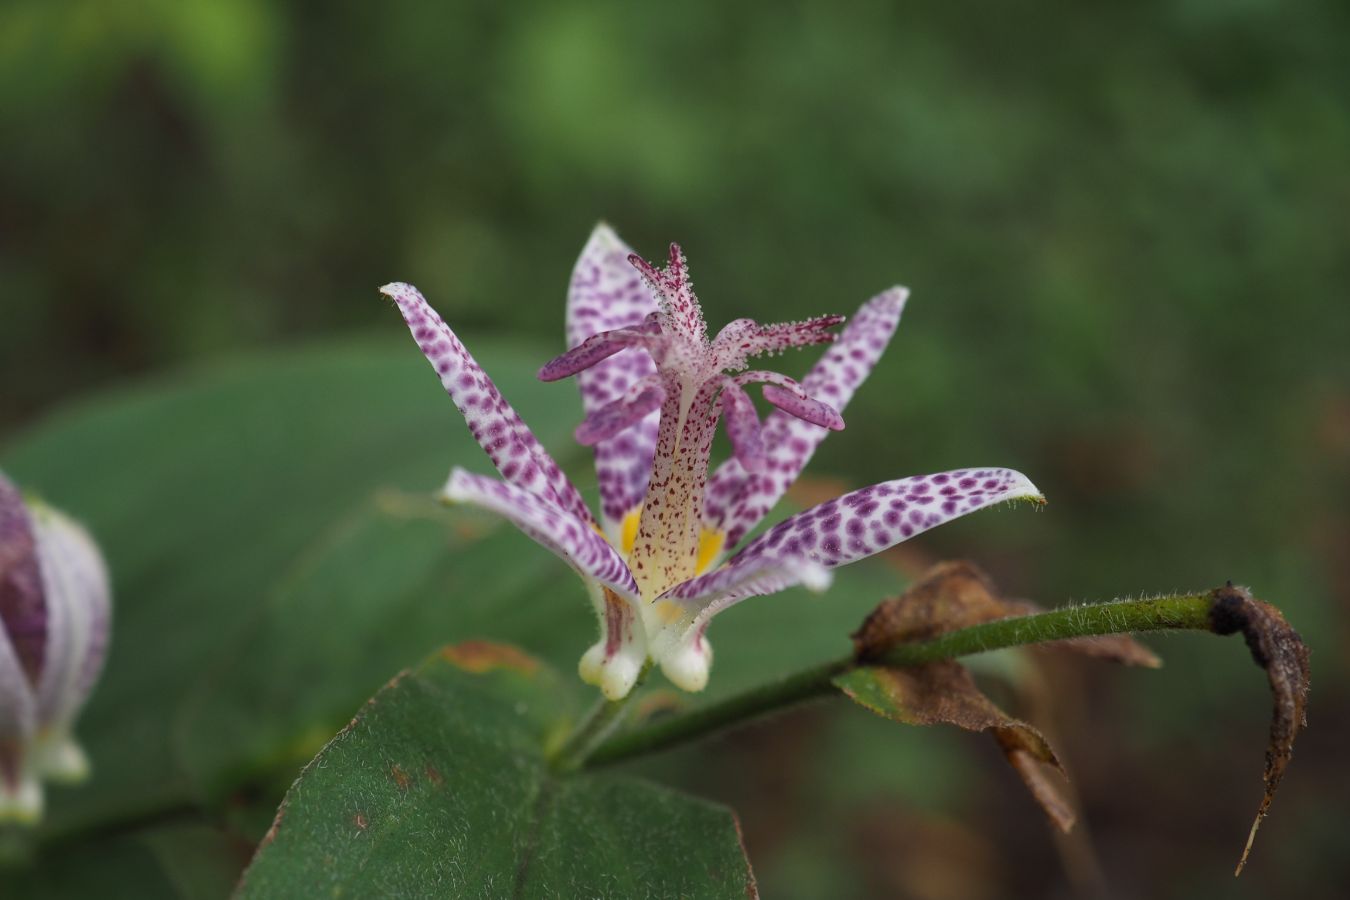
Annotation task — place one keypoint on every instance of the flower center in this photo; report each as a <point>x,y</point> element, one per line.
<point>698,381</point>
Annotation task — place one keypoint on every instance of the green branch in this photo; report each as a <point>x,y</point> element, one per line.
<point>598,724</point>
<point>1185,611</point>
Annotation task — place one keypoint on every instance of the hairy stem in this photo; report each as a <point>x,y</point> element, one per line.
<point>1182,611</point>
<point>597,725</point>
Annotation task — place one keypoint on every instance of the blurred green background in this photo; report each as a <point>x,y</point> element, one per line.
<point>1125,231</point>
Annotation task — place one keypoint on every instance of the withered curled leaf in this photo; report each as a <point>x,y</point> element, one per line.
<point>1277,648</point>
<point>951,596</point>
<point>890,678</point>
<point>945,693</point>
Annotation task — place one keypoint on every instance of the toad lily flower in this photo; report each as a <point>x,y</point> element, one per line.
<point>54,619</point>
<point>653,387</point>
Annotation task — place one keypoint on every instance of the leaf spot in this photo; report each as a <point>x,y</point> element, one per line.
<point>479,657</point>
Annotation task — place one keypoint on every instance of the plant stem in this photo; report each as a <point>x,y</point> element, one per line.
<point>1182,611</point>
<point>598,724</point>
<point>743,707</point>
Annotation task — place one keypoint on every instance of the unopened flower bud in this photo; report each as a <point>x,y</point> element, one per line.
<point>55,611</point>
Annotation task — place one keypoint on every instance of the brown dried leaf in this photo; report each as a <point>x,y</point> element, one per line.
<point>952,595</point>
<point>959,594</point>
<point>1277,648</point>
<point>945,693</point>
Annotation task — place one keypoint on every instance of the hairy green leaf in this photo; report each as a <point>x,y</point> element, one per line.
<point>440,787</point>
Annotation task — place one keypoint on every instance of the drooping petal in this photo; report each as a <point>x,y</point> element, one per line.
<point>80,599</point>
<point>737,500</point>
<point>743,339</point>
<point>607,294</point>
<point>800,406</point>
<point>614,662</point>
<point>570,538</point>
<point>675,294</point>
<point>511,445</point>
<point>743,427</point>
<point>639,401</point>
<point>791,398</point>
<point>591,352</point>
<point>849,528</point>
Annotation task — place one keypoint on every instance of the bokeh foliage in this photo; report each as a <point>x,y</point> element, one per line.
<point>1124,228</point>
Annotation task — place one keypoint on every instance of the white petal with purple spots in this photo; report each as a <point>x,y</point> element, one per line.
<point>640,400</point>
<point>606,294</point>
<point>852,527</point>
<point>572,539</point>
<point>509,443</point>
<point>737,500</point>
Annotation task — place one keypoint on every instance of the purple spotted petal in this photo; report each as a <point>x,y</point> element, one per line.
<point>672,643</point>
<point>21,653</point>
<point>743,429</point>
<point>591,352</point>
<point>639,401</point>
<point>749,578</point>
<point>23,607</point>
<point>571,538</point>
<point>18,721</point>
<point>80,602</point>
<point>852,527</point>
<point>606,294</point>
<point>791,398</point>
<point>800,406</point>
<point>736,500</point>
<point>511,445</point>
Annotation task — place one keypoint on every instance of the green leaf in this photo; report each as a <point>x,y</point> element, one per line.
<point>175,862</point>
<point>277,555</point>
<point>207,494</point>
<point>388,584</point>
<point>440,787</point>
